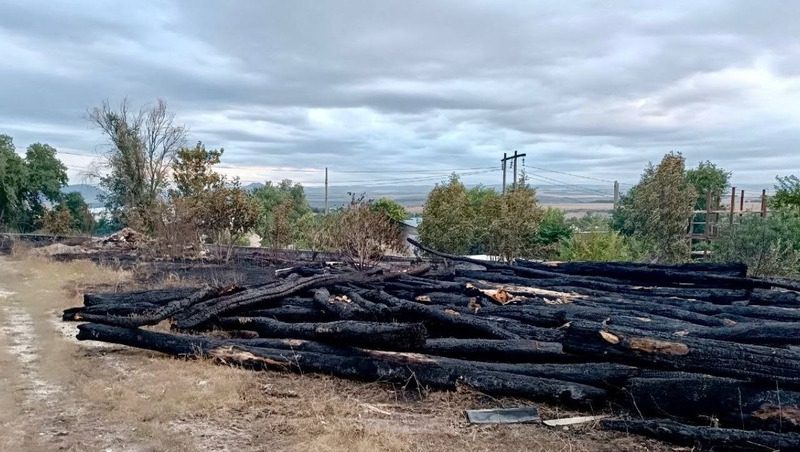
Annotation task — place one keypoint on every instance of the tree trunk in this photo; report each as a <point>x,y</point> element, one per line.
<point>386,336</point>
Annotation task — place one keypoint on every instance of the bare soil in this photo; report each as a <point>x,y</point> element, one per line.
<point>59,394</point>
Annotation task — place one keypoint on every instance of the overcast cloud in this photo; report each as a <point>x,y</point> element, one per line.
<point>596,88</point>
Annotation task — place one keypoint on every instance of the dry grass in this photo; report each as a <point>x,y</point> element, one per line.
<point>120,398</point>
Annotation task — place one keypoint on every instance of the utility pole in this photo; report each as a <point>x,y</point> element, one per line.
<point>616,193</point>
<point>326,190</point>
<point>506,158</point>
<point>503,161</point>
<point>515,170</point>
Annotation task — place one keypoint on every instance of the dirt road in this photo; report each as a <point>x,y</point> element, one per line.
<point>58,394</point>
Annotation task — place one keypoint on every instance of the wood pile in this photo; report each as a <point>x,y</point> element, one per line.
<point>697,354</point>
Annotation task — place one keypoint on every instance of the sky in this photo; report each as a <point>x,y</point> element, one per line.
<point>390,92</point>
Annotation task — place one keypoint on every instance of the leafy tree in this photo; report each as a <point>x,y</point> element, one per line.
<point>228,213</point>
<point>106,225</point>
<point>787,192</point>
<point>657,210</point>
<point>770,246</point>
<point>81,218</point>
<point>143,146</point>
<point>391,208</point>
<point>448,219</point>
<point>554,227</point>
<point>281,207</point>
<point>193,169</point>
<point>513,219</point>
<point>596,246</point>
<point>27,183</point>
<point>483,202</point>
<point>13,184</point>
<point>707,178</point>
<point>46,176</point>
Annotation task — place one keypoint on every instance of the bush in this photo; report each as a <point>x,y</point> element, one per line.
<point>770,246</point>
<point>363,235</point>
<point>553,227</point>
<point>596,246</point>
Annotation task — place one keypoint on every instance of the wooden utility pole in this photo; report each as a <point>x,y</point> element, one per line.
<point>503,161</point>
<point>515,170</point>
<point>326,190</point>
<point>506,158</point>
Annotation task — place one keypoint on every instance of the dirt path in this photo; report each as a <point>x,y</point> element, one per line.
<point>58,394</point>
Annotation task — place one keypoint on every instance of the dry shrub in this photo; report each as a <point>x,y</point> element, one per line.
<point>175,229</point>
<point>363,235</point>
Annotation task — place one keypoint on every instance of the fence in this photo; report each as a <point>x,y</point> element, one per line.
<point>704,223</point>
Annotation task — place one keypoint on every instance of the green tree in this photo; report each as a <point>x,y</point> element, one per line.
<point>483,202</point>
<point>513,219</point>
<point>46,176</point>
<point>707,178</point>
<point>228,213</point>
<point>391,208</point>
<point>448,219</point>
<point>13,184</point>
<point>657,210</point>
<point>281,207</point>
<point>193,170</point>
<point>787,193</point>
<point>81,218</point>
<point>27,183</point>
<point>553,229</point>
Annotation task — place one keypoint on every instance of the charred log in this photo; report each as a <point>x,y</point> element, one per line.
<point>386,336</point>
<point>706,438</point>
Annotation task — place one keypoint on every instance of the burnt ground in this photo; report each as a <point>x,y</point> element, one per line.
<point>59,394</point>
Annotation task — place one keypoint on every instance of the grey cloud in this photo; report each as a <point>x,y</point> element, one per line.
<point>586,87</point>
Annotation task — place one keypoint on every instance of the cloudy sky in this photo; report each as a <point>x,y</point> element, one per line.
<point>408,90</point>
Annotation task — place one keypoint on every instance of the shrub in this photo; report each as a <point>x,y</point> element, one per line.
<point>770,246</point>
<point>363,235</point>
<point>596,246</point>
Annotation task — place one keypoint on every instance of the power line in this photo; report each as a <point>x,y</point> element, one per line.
<point>576,187</point>
<point>577,175</point>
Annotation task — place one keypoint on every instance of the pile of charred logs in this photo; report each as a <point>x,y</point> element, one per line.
<point>697,354</point>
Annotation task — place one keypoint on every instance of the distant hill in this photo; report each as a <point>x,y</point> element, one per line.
<point>90,193</point>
